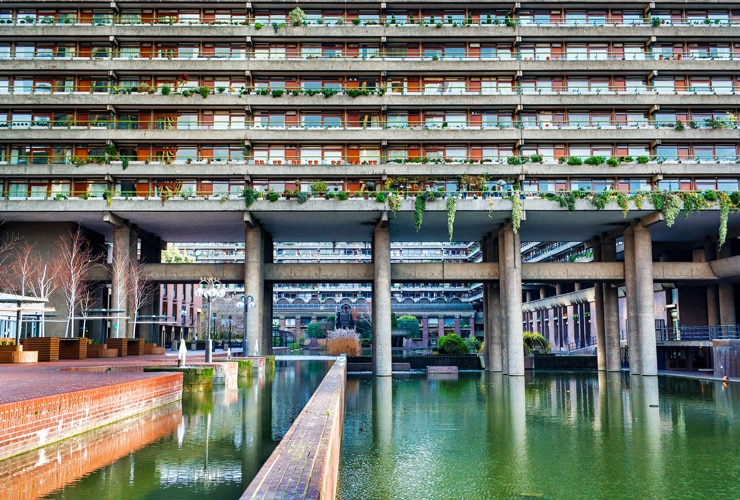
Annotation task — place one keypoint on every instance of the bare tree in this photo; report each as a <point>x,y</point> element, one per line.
<point>43,283</point>
<point>21,269</point>
<point>76,259</point>
<point>142,291</point>
<point>120,287</point>
<point>7,245</point>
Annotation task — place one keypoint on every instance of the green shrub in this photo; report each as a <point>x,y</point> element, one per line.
<point>452,344</point>
<point>574,160</point>
<point>643,159</point>
<point>535,342</point>
<point>594,160</point>
<point>273,196</point>
<point>314,331</point>
<point>410,324</point>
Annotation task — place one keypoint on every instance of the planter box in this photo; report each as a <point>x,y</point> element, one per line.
<point>11,348</point>
<point>47,347</point>
<point>19,357</point>
<point>153,349</point>
<point>121,345</point>
<point>136,347</point>
<point>75,348</point>
<point>101,351</point>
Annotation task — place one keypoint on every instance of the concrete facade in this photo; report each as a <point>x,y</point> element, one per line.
<point>489,102</point>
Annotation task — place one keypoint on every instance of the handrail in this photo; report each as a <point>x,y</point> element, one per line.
<point>394,20</point>
<point>385,57</point>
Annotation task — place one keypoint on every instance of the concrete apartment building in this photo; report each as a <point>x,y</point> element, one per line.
<point>147,123</point>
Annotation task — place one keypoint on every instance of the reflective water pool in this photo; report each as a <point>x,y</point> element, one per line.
<point>559,436</point>
<point>209,446</point>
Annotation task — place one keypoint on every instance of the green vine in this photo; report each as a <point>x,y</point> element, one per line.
<point>692,202</point>
<point>250,196</point>
<point>623,203</point>
<point>516,213</point>
<point>725,203</point>
<point>638,201</point>
<point>671,208</point>
<point>600,200</point>
<point>394,203</point>
<point>451,209</point>
<point>420,204</point>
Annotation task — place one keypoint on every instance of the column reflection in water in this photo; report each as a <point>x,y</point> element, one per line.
<point>647,434</point>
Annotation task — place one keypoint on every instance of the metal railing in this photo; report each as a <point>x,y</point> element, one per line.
<point>697,333</point>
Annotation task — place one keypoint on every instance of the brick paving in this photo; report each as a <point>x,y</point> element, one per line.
<point>31,381</point>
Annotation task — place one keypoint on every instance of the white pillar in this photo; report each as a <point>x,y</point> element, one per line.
<point>512,296</point>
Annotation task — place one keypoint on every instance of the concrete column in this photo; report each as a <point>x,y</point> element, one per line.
<point>512,300</point>
<point>726,294</point>
<point>425,331</point>
<point>502,324</point>
<point>123,255</point>
<point>611,311</point>
<point>491,310</point>
<point>254,280</point>
<point>382,354</point>
<point>704,254</point>
<point>645,298</point>
<point>598,314</point>
<point>631,300</point>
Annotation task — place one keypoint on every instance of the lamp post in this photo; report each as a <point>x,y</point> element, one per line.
<point>247,301</point>
<point>183,315</point>
<point>210,288</point>
<point>231,322</point>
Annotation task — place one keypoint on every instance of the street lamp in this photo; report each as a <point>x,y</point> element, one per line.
<point>231,322</point>
<point>183,315</point>
<point>247,302</point>
<point>210,288</point>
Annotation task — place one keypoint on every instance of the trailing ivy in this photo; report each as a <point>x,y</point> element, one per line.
<point>250,195</point>
<point>420,204</point>
<point>671,208</point>
<point>623,203</point>
<point>725,203</point>
<point>600,200</point>
<point>451,209</point>
<point>692,202</point>
<point>638,201</point>
<point>394,203</point>
<point>516,213</point>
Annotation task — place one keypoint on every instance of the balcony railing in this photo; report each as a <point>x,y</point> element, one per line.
<point>697,333</point>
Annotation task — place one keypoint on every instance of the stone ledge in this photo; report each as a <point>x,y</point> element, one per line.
<point>306,462</point>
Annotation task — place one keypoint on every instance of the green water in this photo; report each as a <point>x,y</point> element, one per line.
<point>215,447</point>
<point>556,436</point>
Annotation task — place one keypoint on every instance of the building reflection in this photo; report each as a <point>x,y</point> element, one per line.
<point>40,472</point>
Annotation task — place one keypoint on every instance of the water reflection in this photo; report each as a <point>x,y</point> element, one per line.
<point>551,435</point>
<point>210,445</point>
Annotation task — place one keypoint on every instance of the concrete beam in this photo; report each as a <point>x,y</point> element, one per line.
<point>728,268</point>
<point>573,271</point>
<point>666,272</point>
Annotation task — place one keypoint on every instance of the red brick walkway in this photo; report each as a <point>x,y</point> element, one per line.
<point>24,382</point>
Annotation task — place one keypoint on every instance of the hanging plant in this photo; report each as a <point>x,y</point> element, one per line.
<point>420,204</point>
<point>451,209</point>
<point>638,201</point>
<point>623,203</point>
<point>671,208</point>
<point>516,213</point>
<point>394,203</point>
<point>250,195</point>
<point>724,213</point>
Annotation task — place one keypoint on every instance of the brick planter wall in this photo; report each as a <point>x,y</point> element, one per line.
<point>31,424</point>
<point>118,343</point>
<point>47,347</point>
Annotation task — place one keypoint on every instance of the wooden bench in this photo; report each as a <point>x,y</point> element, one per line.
<point>152,349</point>
<point>47,347</point>
<point>74,348</point>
